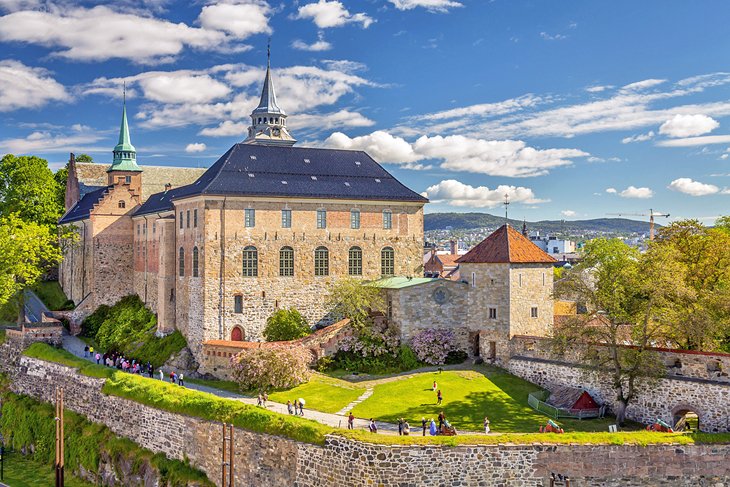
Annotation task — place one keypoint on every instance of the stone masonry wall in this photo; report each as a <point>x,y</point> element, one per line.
<point>709,399</point>
<point>273,461</point>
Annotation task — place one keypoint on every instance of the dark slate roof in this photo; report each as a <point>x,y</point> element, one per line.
<point>260,170</point>
<point>83,208</point>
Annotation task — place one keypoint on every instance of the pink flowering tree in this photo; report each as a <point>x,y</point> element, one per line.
<point>434,345</point>
<point>271,368</point>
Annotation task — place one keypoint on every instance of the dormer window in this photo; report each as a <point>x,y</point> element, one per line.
<point>122,204</point>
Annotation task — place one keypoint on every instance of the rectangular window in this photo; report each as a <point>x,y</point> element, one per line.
<point>181,220</point>
<point>285,218</point>
<point>128,179</point>
<point>187,219</point>
<point>195,218</point>
<point>354,218</point>
<point>238,304</point>
<point>138,226</point>
<point>154,227</point>
<point>520,278</point>
<point>321,218</point>
<point>250,217</point>
<point>387,220</point>
<point>473,279</point>
<point>543,278</point>
<point>492,313</point>
<point>533,312</point>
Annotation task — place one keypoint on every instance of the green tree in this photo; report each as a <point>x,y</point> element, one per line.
<point>351,298</point>
<point>28,188</point>
<point>625,294</point>
<point>84,158</point>
<point>286,324</point>
<point>723,223</point>
<point>61,176</point>
<point>27,250</point>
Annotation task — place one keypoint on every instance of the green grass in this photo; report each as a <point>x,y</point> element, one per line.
<point>321,393</point>
<point>21,471</point>
<point>51,294</point>
<point>48,353</point>
<point>223,385</point>
<point>469,395</point>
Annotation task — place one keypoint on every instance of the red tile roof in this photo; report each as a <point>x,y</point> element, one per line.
<point>506,245</point>
<point>448,260</point>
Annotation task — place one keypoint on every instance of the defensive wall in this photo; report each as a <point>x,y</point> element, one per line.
<point>694,381</point>
<point>262,459</point>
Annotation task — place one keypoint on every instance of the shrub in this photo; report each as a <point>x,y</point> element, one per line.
<point>456,357</point>
<point>434,345</point>
<point>91,324</point>
<point>267,368</point>
<point>325,363</point>
<point>286,324</point>
<point>126,324</point>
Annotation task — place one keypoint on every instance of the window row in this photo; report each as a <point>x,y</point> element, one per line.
<point>249,218</point>
<point>286,261</point>
<point>185,222</point>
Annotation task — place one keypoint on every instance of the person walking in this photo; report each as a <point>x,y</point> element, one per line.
<point>372,427</point>
<point>162,375</point>
<point>442,419</point>
<point>91,351</point>
<point>289,407</point>
<point>406,428</point>
<point>172,376</point>
<point>259,400</point>
<point>439,398</point>
<point>432,429</point>
<point>486,425</point>
<point>424,424</point>
<point>181,379</point>
<point>351,421</point>
<point>98,357</point>
<point>434,386</point>
<point>86,351</point>
<point>400,426</point>
<point>301,407</point>
<point>265,397</point>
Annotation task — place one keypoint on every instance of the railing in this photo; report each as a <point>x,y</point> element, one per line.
<point>536,400</point>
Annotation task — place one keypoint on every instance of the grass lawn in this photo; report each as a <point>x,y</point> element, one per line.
<point>321,393</point>
<point>469,395</point>
<point>24,472</point>
<point>51,294</point>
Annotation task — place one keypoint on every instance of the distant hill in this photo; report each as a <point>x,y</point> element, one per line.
<point>466,221</point>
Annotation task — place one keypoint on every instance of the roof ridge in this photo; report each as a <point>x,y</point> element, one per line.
<point>509,253</point>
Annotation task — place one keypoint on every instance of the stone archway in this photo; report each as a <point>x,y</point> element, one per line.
<point>237,334</point>
<point>686,417</point>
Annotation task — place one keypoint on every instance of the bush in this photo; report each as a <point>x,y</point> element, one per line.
<point>267,368</point>
<point>91,324</point>
<point>434,345</point>
<point>126,324</point>
<point>325,363</point>
<point>456,357</point>
<point>286,324</point>
<point>404,359</point>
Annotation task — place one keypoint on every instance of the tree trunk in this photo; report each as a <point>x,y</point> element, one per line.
<point>621,411</point>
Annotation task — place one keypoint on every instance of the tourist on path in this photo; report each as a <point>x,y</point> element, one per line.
<point>289,407</point>
<point>432,429</point>
<point>442,418</point>
<point>162,376</point>
<point>172,376</point>
<point>434,386</point>
<point>86,351</point>
<point>351,421</point>
<point>259,400</point>
<point>424,424</point>
<point>98,357</point>
<point>301,407</point>
<point>181,379</point>
<point>372,427</point>
<point>406,428</point>
<point>91,351</point>
<point>439,398</point>
<point>486,425</point>
<point>265,398</point>
<point>400,426</point>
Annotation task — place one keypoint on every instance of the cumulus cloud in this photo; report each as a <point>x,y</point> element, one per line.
<point>430,5</point>
<point>100,33</point>
<point>456,193</point>
<point>195,147</point>
<point>76,138</point>
<point>331,13</point>
<point>23,86</point>
<point>568,213</point>
<point>692,187</point>
<point>182,88</point>
<point>319,45</point>
<point>227,128</point>
<point>598,88</point>
<point>634,192</point>
<point>611,190</point>
<point>688,125</point>
<point>241,19</point>
<point>638,138</point>
<point>458,153</point>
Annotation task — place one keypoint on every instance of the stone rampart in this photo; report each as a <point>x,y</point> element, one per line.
<point>273,461</point>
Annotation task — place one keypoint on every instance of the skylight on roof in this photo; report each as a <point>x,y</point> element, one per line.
<point>377,180</point>
<point>253,158</point>
<point>307,161</point>
<point>314,178</point>
<point>357,163</point>
<point>347,184</point>
<point>251,175</point>
<point>284,182</point>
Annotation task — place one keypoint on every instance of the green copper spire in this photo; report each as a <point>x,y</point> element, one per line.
<point>125,155</point>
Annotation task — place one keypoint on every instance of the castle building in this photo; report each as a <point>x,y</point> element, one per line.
<point>267,226</point>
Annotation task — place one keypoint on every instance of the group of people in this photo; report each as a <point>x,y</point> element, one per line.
<point>132,366</point>
<point>296,408</point>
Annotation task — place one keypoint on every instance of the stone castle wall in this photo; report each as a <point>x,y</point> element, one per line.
<point>273,461</point>
<point>531,286</point>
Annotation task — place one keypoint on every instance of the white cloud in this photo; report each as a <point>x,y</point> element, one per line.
<point>456,193</point>
<point>643,85</point>
<point>227,128</point>
<point>638,138</point>
<point>100,33</point>
<point>332,13</point>
<point>694,141</point>
<point>329,121</point>
<point>182,88</point>
<point>688,125</point>
<point>568,213</point>
<point>195,147</point>
<point>691,187</point>
<point>552,37</point>
<point>241,20</point>
<point>319,45</point>
<point>611,190</point>
<point>23,86</point>
<point>430,5</point>
<point>598,88</point>
<point>458,153</point>
<point>77,138</point>
<point>344,65</point>
<point>634,192</point>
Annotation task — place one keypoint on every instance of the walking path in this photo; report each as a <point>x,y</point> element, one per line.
<point>368,392</point>
<point>76,346</point>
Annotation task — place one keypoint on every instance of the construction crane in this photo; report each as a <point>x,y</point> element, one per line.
<point>651,216</point>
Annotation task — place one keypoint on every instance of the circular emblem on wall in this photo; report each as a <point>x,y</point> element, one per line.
<point>441,295</point>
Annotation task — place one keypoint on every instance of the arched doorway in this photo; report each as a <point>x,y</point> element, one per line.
<point>237,334</point>
<point>685,418</point>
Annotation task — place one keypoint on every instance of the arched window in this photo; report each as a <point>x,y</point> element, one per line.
<point>354,261</point>
<point>182,262</point>
<point>237,334</point>
<point>195,261</point>
<point>321,261</point>
<point>122,204</point>
<point>387,261</point>
<point>250,262</point>
<point>286,261</point>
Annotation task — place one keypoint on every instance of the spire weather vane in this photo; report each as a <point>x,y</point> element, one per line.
<point>506,207</point>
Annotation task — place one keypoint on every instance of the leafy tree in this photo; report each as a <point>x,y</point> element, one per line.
<point>28,188</point>
<point>271,368</point>
<point>61,176</point>
<point>627,296</point>
<point>286,324</point>
<point>125,325</point>
<point>350,298</point>
<point>84,158</point>
<point>27,250</point>
<point>723,223</point>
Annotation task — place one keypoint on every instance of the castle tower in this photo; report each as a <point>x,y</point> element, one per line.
<point>124,168</point>
<point>268,121</point>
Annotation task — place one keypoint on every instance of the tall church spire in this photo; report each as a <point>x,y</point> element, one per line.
<point>125,155</point>
<point>268,121</point>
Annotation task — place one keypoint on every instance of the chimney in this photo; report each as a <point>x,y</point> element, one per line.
<point>73,194</point>
<point>454,247</point>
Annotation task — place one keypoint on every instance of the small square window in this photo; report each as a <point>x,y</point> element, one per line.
<point>249,218</point>
<point>492,313</point>
<point>533,312</point>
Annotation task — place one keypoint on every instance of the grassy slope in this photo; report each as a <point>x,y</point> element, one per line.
<point>321,393</point>
<point>24,472</point>
<point>51,294</point>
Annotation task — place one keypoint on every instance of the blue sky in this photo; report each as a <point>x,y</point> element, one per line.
<point>575,109</point>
